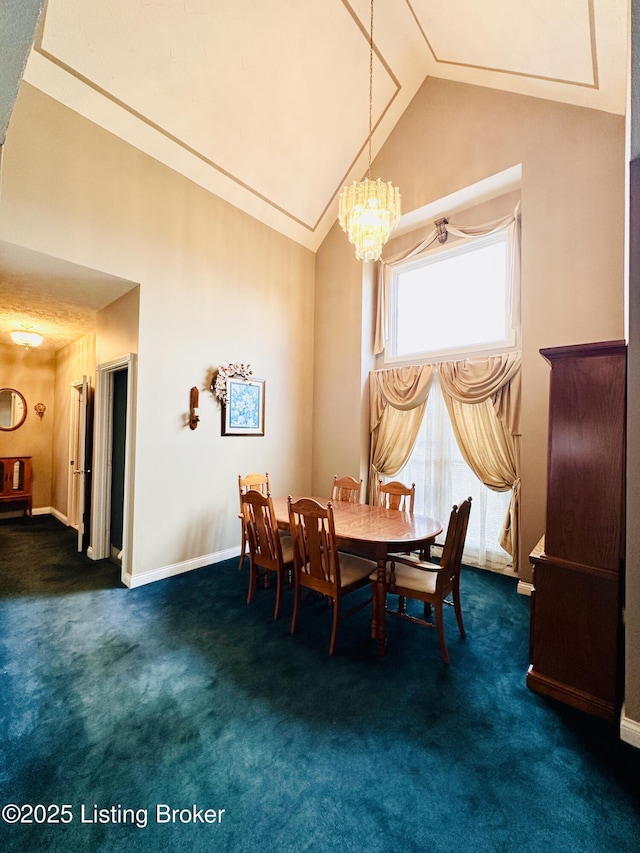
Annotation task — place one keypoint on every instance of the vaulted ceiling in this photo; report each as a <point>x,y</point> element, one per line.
<point>265,102</point>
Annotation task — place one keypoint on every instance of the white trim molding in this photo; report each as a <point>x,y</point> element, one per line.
<point>174,569</point>
<point>45,510</point>
<point>629,730</point>
<point>525,588</point>
<point>487,189</point>
<point>59,515</point>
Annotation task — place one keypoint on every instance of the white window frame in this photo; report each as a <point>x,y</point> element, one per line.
<point>511,340</point>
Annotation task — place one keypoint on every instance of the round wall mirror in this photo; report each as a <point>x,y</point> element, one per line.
<point>13,409</point>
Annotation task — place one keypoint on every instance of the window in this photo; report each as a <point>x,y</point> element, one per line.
<point>453,302</point>
<point>443,478</point>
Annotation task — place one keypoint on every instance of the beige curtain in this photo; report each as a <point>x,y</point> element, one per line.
<point>398,398</point>
<point>483,401</point>
<point>474,380</point>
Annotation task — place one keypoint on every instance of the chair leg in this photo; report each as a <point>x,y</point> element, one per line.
<point>296,606</point>
<point>253,579</point>
<point>402,604</point>
<point>458,611</point>
<point>243,549</point>
<point>276,613</point>
<point>440,629</point>
<point>334,625</point>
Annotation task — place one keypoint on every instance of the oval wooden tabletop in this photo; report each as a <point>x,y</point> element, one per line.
<point>371,523</point>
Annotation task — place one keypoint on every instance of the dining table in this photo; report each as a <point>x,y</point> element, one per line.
<point>373,532</point>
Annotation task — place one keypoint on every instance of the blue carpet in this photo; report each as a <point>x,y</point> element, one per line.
<point>179,695</point>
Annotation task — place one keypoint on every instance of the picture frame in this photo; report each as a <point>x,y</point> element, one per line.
<point>243,409</point>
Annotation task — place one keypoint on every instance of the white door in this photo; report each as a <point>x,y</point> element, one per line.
<point>81,470</point>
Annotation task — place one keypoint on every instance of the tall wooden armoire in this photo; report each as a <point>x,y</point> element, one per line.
<point>575,641</point>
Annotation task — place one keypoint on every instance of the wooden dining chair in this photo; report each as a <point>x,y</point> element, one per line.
<point>346,489</point>
<point>259,482</point>
<point>319,566</point>
<point>395,495</point>
<point>268,552</point>
<point>430,583</point>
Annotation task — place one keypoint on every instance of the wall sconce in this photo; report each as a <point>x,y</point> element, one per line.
<point>40,409</point>
<point>194,411</point>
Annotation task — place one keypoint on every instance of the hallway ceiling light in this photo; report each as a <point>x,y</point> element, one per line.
<point>25,338</point>
<point>369,210</point>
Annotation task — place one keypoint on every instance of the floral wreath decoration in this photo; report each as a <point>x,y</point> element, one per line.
<point>224,372</point>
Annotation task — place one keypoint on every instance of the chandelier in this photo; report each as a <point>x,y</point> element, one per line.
<point>369,210</point>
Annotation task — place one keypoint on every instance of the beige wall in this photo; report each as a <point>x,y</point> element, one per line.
<point>117,327</point>
<point>452,136</point>
<point>32,373</point>
<point>337,377</point>
<point>215,286</point>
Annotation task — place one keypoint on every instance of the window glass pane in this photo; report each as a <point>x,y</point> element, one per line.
<point>454,300</point>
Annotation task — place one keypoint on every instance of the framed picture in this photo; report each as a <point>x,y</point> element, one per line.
<point>243,412</point>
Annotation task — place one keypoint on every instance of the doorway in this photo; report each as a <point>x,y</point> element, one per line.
<point>118,444</point>
<point>80,455</point>
<point>113,463</point>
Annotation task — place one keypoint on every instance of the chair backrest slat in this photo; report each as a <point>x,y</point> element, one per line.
<point>451,559</point>
<point>257,482</point>
<point>346,489</point>
<point>395,495</point>
<point>315,551</point>
<point>262,529</point>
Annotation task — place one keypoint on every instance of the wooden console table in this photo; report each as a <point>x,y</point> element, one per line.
<point>15,480</point>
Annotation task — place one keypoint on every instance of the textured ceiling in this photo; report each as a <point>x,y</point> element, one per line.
<point>18,20</point>
<point>57,299</point>
<point>265,102</point>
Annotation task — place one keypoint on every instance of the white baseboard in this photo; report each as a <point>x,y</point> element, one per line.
<point>135,580</point>
<point>629,730</point>
<point>56,514</point>
<point>525,588</point>
<point>41,510</point>
<point>38,510</point>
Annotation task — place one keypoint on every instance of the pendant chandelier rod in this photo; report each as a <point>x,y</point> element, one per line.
<point>369,210</point>
<point>370,88</point>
